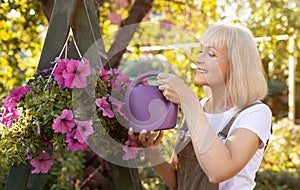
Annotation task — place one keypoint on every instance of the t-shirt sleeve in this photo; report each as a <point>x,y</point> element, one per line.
<point>257,119</point>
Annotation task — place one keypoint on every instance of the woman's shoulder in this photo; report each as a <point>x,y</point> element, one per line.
<point>258,107</point>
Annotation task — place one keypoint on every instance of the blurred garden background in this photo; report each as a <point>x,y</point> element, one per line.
<point>274,23</point>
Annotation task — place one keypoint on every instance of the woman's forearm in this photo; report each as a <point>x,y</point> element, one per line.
<point>167,173</point>
<point>165,170</point>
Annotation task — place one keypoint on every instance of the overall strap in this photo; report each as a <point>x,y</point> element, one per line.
<point>226,129</point>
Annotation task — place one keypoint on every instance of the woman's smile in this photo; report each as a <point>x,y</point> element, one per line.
<point>202,71</point>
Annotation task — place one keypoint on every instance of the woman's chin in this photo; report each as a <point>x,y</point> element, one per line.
<point>200,82</point>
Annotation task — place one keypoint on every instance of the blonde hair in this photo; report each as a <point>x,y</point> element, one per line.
<point>246,81</point>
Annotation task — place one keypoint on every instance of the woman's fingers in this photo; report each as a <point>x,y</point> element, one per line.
<point>132,135</point>
<point>163,75</point>
<point>145,138</point>
<point>151,137</point>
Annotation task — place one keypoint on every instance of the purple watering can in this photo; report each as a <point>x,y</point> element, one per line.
<point>147,108</point>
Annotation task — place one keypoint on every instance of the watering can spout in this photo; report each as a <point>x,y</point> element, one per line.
<point>147,108</point>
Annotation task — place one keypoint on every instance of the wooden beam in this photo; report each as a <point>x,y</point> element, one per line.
<point>58,32</point>
<point>87,35</point>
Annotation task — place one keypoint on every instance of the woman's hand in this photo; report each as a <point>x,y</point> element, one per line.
<point>150,142</point>
<point>166,83</point>
<point>145,138</point>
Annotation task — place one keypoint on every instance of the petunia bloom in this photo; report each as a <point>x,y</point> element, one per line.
<point>119,105</point>
<point>124,78</point>
<point>73,143</point>
<point>64,123</point>
<point>83,130</point>
<point>113,71</point>
<point>105,107</point>
<point>70,72</point>
<point>103,74</point>
<point>59,70</point>
<point>116,86</point>
<point>16,94</point>
<point>115,18</point>
<point>9,114</point>
<point>81,74</point>
<point>42,163</point>
<point>130,149</point>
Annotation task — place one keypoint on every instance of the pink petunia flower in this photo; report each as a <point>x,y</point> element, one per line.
<point>47,143</point>
<point>76,73</point>
<point>116,86</point>
<point>103,74</point>
<point>83,130</point>
<point>115,18</point>
<point>42,163</point>
<point>64,123</point>
<point>119,105</point>
<point>9,114</point>
<point>130,149</point>
<point>70,72</point>
<point>105,107</point>
<point>124,78</point>
<point>121,79</point>
<point>59,70</point>
<point>115,72</point>
<point>145,82</point>
<point>73,143</point>
<point>16,94</point>
<point>83,70</point>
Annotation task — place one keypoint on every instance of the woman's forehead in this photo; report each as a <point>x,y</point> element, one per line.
<point>210,45</point>
<point>213,41</point>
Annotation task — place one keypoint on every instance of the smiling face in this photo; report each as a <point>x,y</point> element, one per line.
<point>212,65</point>
<point>230,63</point>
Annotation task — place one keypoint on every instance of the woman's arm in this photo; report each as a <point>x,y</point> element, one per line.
<point>219,161</point>
<point>222,161</point>
<point>165,170</point>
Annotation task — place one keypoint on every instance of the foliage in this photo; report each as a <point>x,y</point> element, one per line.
<point>283,151</point>
<point>67,172</point>
<point>21,25</point>
<point>277,180</point>
<point>281,163</point>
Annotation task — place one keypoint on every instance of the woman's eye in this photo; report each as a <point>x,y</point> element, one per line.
<point>211,55</point>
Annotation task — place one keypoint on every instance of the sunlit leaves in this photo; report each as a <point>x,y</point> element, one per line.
<point>20,40</point>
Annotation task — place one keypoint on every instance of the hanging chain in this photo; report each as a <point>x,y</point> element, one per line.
<point>64,48</point>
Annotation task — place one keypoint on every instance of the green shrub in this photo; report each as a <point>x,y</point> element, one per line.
<point>274,180</point>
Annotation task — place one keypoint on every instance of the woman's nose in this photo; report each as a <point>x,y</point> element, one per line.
<point>199,60</point>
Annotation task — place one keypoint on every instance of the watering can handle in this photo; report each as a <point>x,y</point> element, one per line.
<point>136,81</point>
<point>139,78</point>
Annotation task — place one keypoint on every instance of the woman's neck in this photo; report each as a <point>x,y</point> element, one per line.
<point>218,102</point>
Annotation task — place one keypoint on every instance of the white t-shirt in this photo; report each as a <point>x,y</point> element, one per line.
<point>257,119</point>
